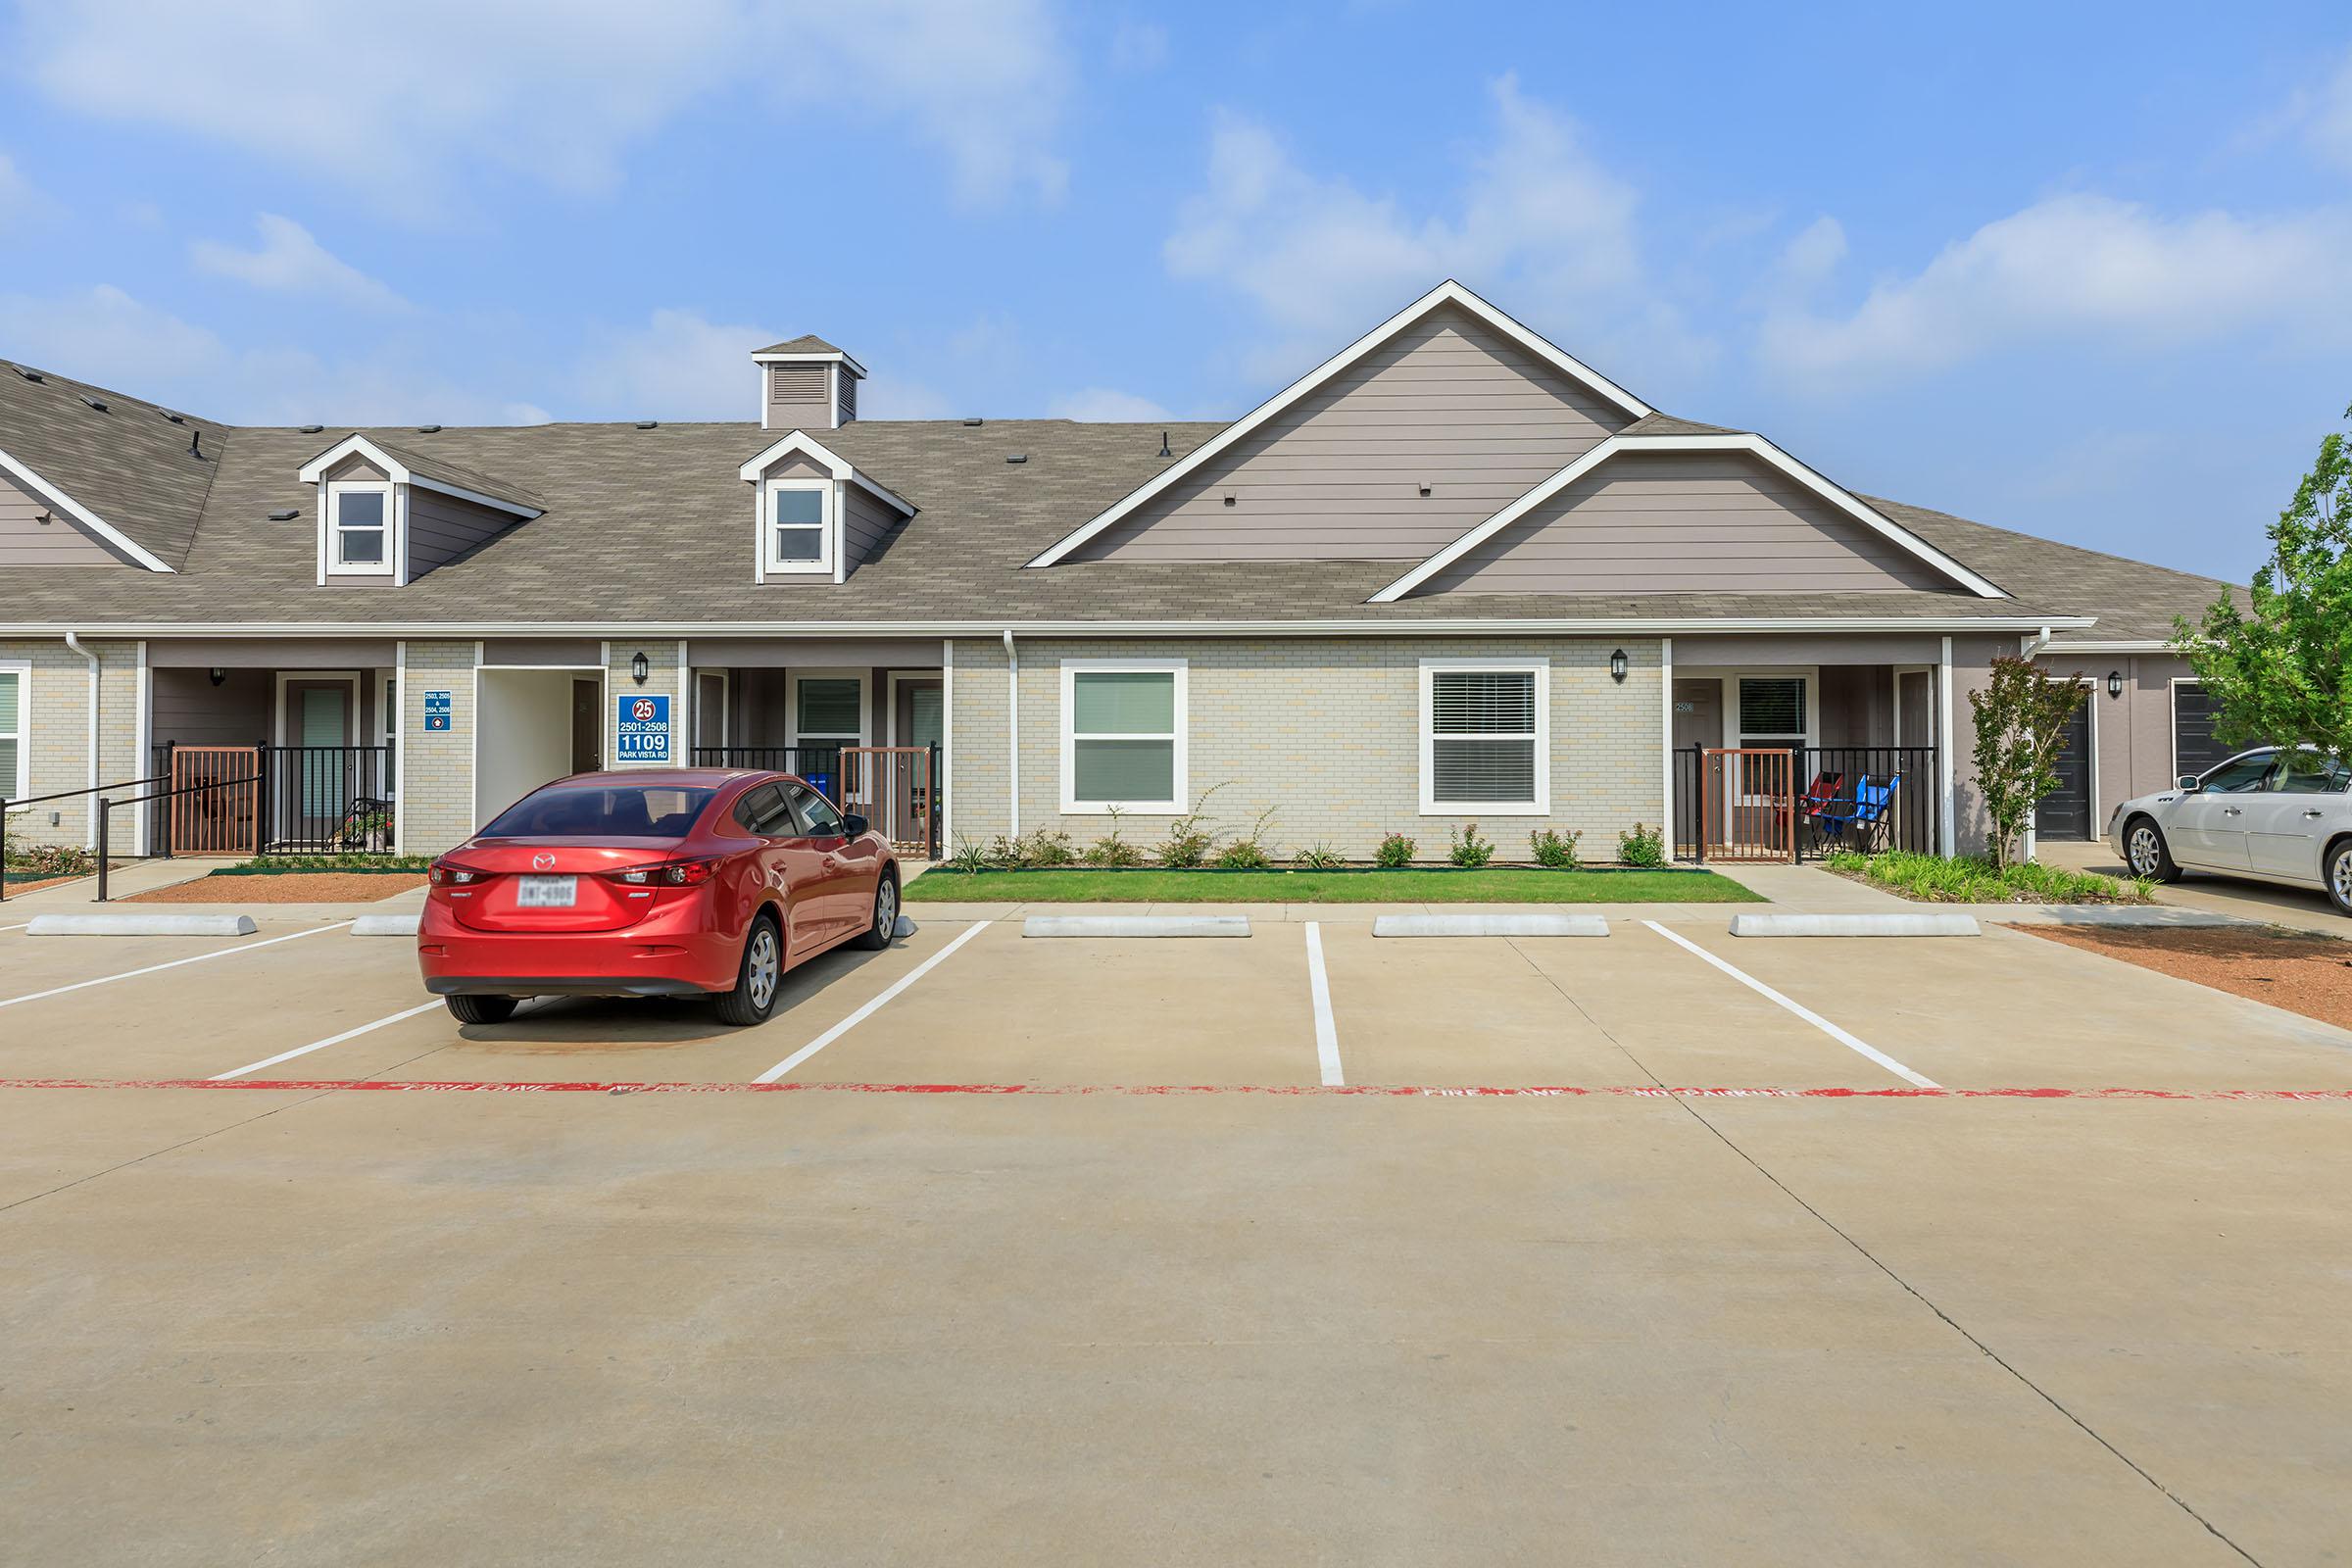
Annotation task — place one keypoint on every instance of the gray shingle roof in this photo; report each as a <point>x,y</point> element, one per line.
<point>128,464</point>
<point>448,473</point>
<point>805,343</point>
<point>651,526</point>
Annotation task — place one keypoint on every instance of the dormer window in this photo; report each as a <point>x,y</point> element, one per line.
<point>359,528</point>
<point>800,532</point>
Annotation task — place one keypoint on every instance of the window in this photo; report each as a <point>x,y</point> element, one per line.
<point>2311,773</point>
<point>639,812</point>
<point>1485,733</point>
<point>818,819</point>
<point>763,811</point>
<point>1123,735</point>
<point>831,711</point>
<point>799,536</point>
<point>360,528</point>
<point>1772,711</point>
<point>15,755</point>
<point>2242,775</point>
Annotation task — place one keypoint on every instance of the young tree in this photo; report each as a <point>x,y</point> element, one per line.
<point>2021,722</point>
<point>2281,672</point>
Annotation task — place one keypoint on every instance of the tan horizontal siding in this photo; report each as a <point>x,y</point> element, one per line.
<point>1337,476</point>
<point>442,527</point>
<point>26,540</point>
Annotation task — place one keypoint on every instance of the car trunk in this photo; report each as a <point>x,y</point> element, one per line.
<point>528,881</point>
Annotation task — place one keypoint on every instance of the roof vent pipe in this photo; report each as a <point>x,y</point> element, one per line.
<point>196,445</point>
<point>1163,445</point>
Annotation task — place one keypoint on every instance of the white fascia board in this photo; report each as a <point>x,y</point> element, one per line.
<point>1594,625</point>
<point>85,515</point>
<point>835,358</point>
<point>800,443</point>
<point>1754,446</point>
<point>399,473</point>
<point>1449,292</point>
<point>2118,646</point>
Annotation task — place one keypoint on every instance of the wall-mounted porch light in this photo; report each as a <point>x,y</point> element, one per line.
<point>1617,665</point>
<point>639,668</point>
<point>2115,683</point>
<point>216,674</point>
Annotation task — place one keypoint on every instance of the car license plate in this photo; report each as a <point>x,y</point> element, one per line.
<point>548,893</point>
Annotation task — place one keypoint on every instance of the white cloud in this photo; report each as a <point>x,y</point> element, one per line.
<point>678,365</point>
<point>289,261</point>
<point>2084,268</point>
<point>1107,405</point>
<point>1814,253</point>
<point>15,191</point>
<point>1538,223</point>
<point>2326,117</point>
<point>388,102</point>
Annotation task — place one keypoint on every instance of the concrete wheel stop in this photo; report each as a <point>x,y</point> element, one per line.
<point>128,924</point>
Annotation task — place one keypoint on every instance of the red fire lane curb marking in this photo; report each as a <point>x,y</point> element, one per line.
<point>460,1086</point>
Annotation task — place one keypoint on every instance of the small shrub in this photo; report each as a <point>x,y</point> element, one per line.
<point>51,859</point>
<point>1112,849</point>
<point>1395,851</point>
<point>1466,849</point>
<point>1317,857</point>
<point>1190,839</point>
<point>1550,847</point>
<point>968,859</point>
<point>1644,847</point>
<point>1051,849</point>
<point>1243,855</point>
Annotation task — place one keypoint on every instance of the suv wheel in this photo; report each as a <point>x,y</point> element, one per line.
<point>2144,851</point>
<point>481,1009</point>
<point>2340,875</point>
<point>758,979</point>
<point>885,923</point>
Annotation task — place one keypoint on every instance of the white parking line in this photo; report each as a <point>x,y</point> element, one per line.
<point>1318,986</point>
<point>863,1013</point>
<point>321,1044</point>
<point>1802,1011</point>
<point>15,927</point>
<point>133,974</point>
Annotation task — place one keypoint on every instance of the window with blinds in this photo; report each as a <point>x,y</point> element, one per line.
<point>1122,741</point>
<point>13,760</point>
<point>830,709</point>
<point>1771,710</point>
<point>1483,739</point>
<point>796,383</point>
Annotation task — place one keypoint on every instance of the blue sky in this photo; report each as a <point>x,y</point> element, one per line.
<point>2084,271</point>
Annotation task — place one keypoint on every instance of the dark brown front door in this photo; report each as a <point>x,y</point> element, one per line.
<point>1697,721</point>
<point>587,728</point>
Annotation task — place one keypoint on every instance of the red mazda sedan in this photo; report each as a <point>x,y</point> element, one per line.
<point>676,882</point>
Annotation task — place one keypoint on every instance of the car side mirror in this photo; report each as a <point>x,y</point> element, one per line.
<point>854,826</point>
<point>2189,783</point>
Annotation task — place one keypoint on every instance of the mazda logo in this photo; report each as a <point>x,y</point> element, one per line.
<point>543,862</point>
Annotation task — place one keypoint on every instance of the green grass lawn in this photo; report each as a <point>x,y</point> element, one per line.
<point>1967,879</point>
<point>1499,884</point>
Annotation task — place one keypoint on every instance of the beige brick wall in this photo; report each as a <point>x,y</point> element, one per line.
<point>1325,730</point>
<point>436,767</point>
<point>55,708</point>
<point>660,679</point>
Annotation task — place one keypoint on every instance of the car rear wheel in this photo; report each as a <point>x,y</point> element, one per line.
<point>2144,848</point>
<point>885,923</point>
<point>758,979</point>
<point>2340,875</point>
<point>481,1009</point>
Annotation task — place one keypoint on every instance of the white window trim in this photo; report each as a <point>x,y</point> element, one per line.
<point>1541,668</point>
<point>349,679</point>
<point>387,725</point>
<point>330,524</point>
<point>1734,734</point>
<point>20,786</point>
<point>828,526</point>
<point>1071,669</point>
<point>792,707</point>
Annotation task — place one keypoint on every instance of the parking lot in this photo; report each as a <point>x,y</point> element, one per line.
<point>1307,1246</point>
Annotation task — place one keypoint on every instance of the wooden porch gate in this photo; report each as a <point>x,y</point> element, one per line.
<point>1747,803</point>
<point>221,813</point>
<point>891,787</point>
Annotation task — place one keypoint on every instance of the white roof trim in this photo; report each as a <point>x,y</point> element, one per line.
<point>2139,644</point>
<point>835,358</point>
<point>86,516</point>
<point>1754,446</point>
<point>399,473</point>
<point>1449,292</point>
<point>991,630</point>
<point>803,444</point>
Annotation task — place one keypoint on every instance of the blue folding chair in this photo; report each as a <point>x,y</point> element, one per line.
<point>1866,817</point>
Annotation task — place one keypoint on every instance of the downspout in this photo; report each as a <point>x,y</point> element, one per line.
<point>90,805</point>
<point>1012,676</point>
<point>2036,642</point>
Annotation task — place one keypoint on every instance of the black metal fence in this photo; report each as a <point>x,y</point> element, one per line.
<point>1828,776</point>
<point>821,764</point>
<point>293,800</point>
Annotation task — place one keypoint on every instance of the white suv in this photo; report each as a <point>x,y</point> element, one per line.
<point>2272,815</point>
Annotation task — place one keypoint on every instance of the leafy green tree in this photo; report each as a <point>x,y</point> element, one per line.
<point>2282,670</point>
<point>2021,716</point>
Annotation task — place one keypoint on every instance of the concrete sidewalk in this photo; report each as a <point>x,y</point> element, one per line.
<point>2299,908</point>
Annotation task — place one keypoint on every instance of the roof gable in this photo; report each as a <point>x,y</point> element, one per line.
<point>1771,457</point>
<point>1449,295</point>
<point>800,443</point>
<point>133,474</point>
<point>403,467</point>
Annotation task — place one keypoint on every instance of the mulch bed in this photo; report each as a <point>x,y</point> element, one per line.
<point>2307,974</point>
<point>294,887</point>
<point>16,887</point>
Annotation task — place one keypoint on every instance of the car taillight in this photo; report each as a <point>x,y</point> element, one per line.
<point>442,874</point>
<point>669,873</point>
